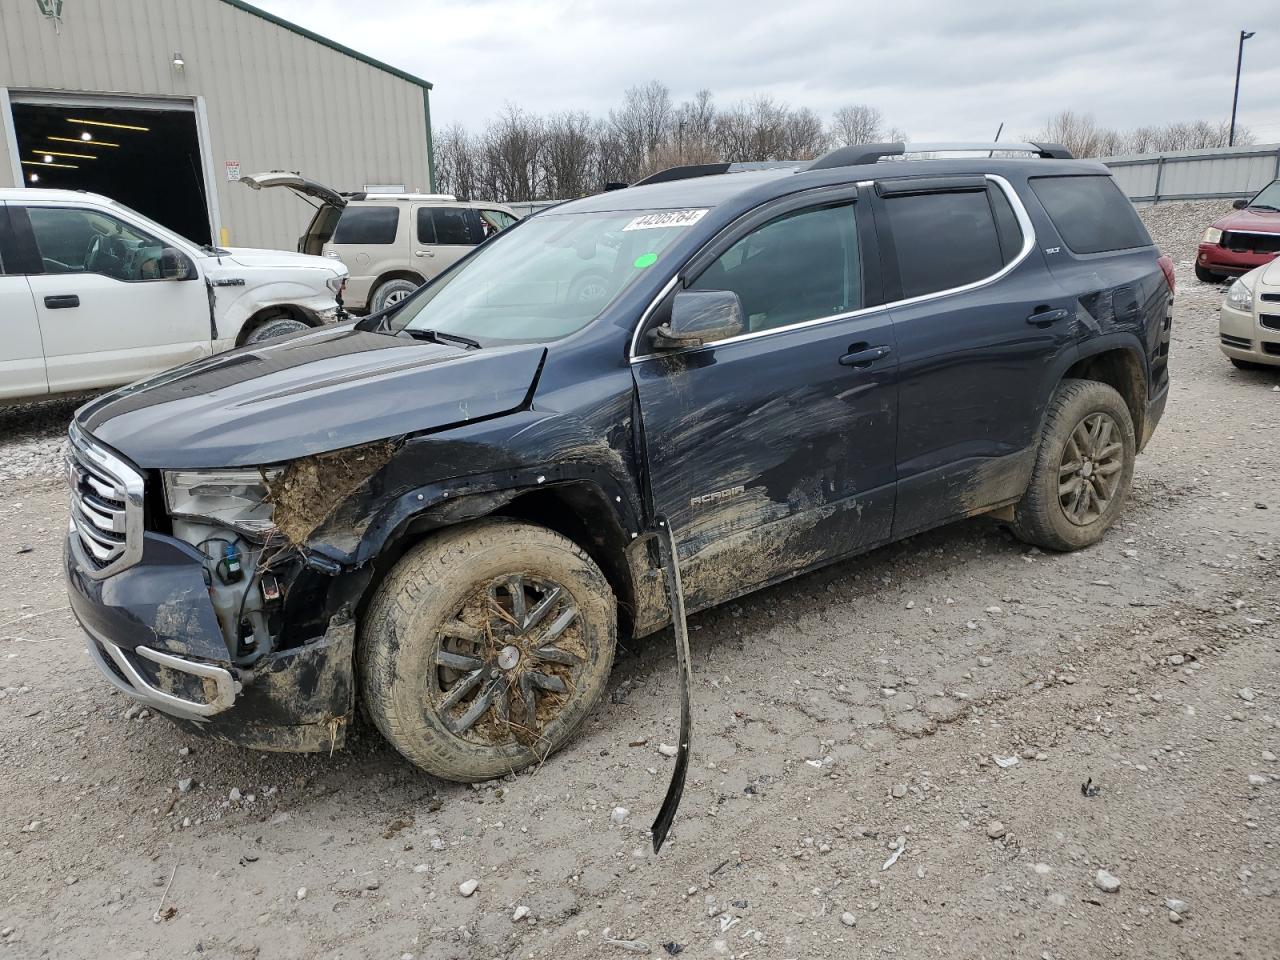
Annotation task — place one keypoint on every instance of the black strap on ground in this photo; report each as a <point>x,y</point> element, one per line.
<point>675,594</point>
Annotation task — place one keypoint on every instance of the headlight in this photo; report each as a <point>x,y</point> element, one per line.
<point>233,498</point>
<point>1240,295</point>
<point>336,285</point>
<point>1212,235</point>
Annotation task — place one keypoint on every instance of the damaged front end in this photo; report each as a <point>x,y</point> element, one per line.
<point>220,619</point>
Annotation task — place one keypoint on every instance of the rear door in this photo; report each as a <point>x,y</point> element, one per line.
<point>106,315</point>
<point>22,371</point>
<point>979,322</point>
<point>443,235</point>
<point>772,451</point>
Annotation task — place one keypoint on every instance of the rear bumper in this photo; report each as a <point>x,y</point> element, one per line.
<point>153,634</point>
<point>1221,260</point>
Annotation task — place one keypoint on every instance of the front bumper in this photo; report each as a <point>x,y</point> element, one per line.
<point>1242,336</point>
<point>153,634</point>
<point>1218,259</point>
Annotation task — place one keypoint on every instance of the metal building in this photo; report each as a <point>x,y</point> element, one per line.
<point>162,104</point>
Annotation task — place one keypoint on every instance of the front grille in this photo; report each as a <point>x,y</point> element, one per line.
<point>1270,297</point>
<point>1269,320</point>
<point>1242,241</point>
<point>1240,343</point>
<point>106,506</point>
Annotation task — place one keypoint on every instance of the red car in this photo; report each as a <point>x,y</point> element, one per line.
<point>1247,237</point>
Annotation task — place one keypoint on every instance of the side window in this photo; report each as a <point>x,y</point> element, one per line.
<point>76,240</point>
<point>1007,228</point>
<point>494,221</point>
<point>456,226</point>
<point>943,240</point>
<point>367,224</point>
<point>426,226</point>
<point>799,267</point>
<point>1091,213</point>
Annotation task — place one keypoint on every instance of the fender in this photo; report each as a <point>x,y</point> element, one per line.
<point>1093,347</point>
<point>233,306</point>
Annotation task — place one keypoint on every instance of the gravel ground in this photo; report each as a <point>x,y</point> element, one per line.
<point>852,792</point>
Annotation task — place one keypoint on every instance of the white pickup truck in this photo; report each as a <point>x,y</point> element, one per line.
<point>94,294</point>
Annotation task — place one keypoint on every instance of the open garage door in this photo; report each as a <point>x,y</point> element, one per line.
<point>147,157</point>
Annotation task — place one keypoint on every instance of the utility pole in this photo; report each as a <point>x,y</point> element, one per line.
<point>1235,97</point>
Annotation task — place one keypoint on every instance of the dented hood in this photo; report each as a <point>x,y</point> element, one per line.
<point>316,392</point>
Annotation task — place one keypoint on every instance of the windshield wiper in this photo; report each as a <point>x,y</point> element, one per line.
<point>1262,206</point>
<point>437,336</point>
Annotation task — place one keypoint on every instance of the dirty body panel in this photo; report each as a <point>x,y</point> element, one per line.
<point>858,417</point>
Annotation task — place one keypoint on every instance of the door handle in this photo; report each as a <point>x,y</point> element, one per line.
<point>424,253</point>
<point>1043,317</point>
<point>64,302</point>
<point>861,355</point>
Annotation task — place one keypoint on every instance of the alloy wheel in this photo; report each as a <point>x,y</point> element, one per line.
<point>1091,468</point>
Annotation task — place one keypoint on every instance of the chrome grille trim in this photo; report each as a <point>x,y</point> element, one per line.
<point>106,506</point>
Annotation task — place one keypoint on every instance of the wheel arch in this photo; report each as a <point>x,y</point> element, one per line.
<point>397,274</point>
<point>1121,365</point>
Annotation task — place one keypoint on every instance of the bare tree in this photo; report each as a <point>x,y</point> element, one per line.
<point>803,137</point>
<point>1078,132</point>
<point>457,162</point>
<point>570,155</point>
<point>856,123</point>
<point>512,155</point>
<point>641,125</point>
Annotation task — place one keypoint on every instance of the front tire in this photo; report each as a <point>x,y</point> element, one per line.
<point>1246,364</point>
<point>391,292</point>
<point>279,327</point>
<point>1206,276</point>
<point>486,647</point>
<point>1083,468</point>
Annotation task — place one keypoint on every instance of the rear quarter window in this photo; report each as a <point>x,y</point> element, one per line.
<point>367,224</point>
<point>1091,213</point>
<point>944,240</point>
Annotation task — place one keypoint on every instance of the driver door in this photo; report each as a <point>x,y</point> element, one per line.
<point>772,452</point>
<point>105,316</point>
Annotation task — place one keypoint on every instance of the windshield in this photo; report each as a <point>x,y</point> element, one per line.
<point>547,278</point>
<point>1268,198</point>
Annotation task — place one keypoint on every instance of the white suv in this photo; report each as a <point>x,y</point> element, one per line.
<point>391,242</point>
<point>94,294</point>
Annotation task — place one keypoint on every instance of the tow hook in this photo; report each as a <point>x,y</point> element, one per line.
<point>679,627</point>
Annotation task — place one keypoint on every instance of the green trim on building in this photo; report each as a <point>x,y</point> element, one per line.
<point>331,44</point>
<point>431,147</point>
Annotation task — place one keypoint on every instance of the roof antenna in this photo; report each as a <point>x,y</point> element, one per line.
<point>999,130</point>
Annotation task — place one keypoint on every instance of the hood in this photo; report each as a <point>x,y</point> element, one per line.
<point>1268,273</point>
<point>276,259</point>
<point>1257,221</point>
<point>319,391</point>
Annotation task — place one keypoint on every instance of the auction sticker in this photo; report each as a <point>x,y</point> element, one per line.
<point>666,218</point>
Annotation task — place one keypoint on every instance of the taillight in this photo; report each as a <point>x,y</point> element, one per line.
<point>1166,264</point>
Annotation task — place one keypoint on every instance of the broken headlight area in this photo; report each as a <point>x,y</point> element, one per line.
<point>227,516</point>
<point>238,499</point>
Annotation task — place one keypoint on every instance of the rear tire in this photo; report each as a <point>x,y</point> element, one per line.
<point>1207,276</point>
<point>391,292</point>
<point>486,647</point>
<point>1083,468</point>
<point>279,327</point>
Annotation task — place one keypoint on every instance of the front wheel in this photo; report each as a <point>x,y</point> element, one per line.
<point>279,327</point>
<point>486,647</point>
<point>1206,276</point>
<point>1246,364</point>
<point>1083,468</point>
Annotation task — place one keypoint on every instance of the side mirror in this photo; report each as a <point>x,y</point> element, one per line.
<point>175,265</point>
<point>698,317</point>
<point>1239,204</point>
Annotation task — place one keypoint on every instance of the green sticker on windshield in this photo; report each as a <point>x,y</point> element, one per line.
<point>645,260</point>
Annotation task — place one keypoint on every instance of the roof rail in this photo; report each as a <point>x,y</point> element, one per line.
<point>689,171</point>
<point>861,153</point>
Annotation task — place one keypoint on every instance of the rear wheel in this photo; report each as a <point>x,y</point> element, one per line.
<point>391,292</point>
<point>1207,276</point>
<point>1083,468</point>
<point>486,647</point>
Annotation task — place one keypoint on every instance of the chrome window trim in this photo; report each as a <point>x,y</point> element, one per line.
<point>1028,243</point>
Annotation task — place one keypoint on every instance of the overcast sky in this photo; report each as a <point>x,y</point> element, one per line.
<point>939,69</point>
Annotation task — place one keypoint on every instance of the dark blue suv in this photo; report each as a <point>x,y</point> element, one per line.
<point>448,511</point>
